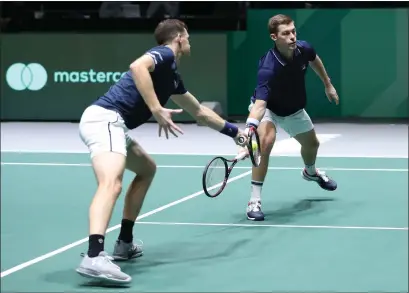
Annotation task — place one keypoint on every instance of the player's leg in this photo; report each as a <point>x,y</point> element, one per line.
<point>103,133</point>
<point>144,168</point>
<point>302,129</point>
<point>267,134</point>
<point>108,168</point>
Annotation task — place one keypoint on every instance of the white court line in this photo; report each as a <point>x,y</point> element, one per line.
<point>79,242</point>
<point>328,155</point>
<point>273,226</point>
<point>202,167</point>
<point>282,146</point>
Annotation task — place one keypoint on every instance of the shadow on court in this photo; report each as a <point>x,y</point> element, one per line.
<point>288,213</point>
<point>168,254</point>
<point>285,214</point>
<point>183,253</point>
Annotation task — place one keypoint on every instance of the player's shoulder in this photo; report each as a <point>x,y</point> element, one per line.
<point>163,49</point>
<point>161,53</point>
<point>302,44</point>
<point>267,60</point>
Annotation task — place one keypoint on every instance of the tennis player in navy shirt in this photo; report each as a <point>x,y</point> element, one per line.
<point>279,99</point>
<point>141,93</point>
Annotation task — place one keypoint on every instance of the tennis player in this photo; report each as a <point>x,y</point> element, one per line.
<point>279,99</point>
<point>141,93</point>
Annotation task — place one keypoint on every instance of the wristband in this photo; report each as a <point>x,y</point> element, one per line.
<point>230,129</point>
<point>252,122</point>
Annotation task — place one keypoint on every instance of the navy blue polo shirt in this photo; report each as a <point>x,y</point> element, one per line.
<point>124,98</point>
<point>281,82</point>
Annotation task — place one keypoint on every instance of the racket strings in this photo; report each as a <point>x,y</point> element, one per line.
<point>216,173</point>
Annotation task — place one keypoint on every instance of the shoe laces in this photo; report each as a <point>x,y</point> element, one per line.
<point>255,206</point>
<point>137,245</point>
<point>322,175</point>
<point>109,260</point>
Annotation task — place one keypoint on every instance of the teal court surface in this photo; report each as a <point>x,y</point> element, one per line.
<point>352,240</point>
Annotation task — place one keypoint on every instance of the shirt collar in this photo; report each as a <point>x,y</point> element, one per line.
<point>281,59</point>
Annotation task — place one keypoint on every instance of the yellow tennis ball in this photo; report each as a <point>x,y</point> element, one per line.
<point>254,146</point>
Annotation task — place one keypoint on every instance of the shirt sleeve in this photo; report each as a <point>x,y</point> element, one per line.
<point>264,76</point>
<point>161,56</point>
<point>309,51</point>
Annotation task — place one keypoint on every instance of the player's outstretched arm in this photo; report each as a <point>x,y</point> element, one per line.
<point>208,117</point>
<point>141,69</point>
<point>318,66</point>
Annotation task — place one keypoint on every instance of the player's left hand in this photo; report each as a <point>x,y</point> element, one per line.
<point>241,138</point>
<point>331,94</point>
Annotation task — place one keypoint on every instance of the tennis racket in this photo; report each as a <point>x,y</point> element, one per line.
<point>217,171</point>
<point>216,174</point>
<point>254,146</point>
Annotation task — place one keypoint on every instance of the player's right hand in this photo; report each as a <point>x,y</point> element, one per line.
<point>242,153</point>
<point>164,118</point>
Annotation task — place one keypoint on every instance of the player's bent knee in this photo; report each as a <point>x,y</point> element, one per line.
<point>266,145</point>
<point>113,187</point>
<point>139,162</point>
<point>109,168</point>
<point>308,140</point>
<point>315,143</point>
<point>267,141</point>
<point>150,169</point>
<point>311,142</point>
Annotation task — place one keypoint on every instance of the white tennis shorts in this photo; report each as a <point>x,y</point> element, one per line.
<point>103,130</point>
<point>299,122</point>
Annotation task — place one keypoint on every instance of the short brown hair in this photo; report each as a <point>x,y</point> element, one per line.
<point>168,29</point>
<point>277,20</point>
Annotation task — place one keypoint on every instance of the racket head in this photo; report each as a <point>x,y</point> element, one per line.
<point>254,147</point>
<point>215,176</point>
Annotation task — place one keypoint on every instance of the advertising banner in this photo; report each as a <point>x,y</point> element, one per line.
<point>56,76</point>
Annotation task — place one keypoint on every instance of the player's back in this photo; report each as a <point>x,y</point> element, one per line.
<point>125,98</point>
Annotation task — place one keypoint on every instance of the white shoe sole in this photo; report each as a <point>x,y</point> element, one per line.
<point>102,277</point>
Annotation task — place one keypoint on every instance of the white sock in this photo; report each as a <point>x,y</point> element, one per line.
<point>256,187</point>
<point>311,169</point>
